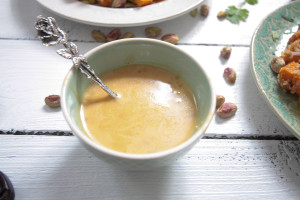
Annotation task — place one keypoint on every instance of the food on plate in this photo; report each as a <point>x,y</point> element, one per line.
<point>289,77</point>
<point>156,111</point>
<point>277,63</point>
<point>121,3</point>
<point>287,65</point>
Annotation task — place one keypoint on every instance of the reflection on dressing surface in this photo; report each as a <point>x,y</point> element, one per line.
<point>156,110</point>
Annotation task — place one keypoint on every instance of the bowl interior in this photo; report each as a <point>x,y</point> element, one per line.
<point>141,51</point>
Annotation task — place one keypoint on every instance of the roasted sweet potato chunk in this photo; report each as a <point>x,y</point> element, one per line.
<point>140,3</point>
<point>289,77</point>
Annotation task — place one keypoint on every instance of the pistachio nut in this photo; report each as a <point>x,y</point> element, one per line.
<point>204,10</point>
<point>153,32</point>
<point>171,38</point>
<point>220,99</point>
<point>226,110</point>
<point>193,13</point>
<point>277,63</point>
<point>98,36</point>
<point>221,14</point>
<point>226,52</point>
<point>53,101</point>
<point>230,75</point>
<point>113,35</point>
<point>127,35</point>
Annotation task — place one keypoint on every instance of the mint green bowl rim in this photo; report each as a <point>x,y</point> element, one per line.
<point>84,138</point>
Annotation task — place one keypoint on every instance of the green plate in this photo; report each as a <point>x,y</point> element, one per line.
<point>264,47</point>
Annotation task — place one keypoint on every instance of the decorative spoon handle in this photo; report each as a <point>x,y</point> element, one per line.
<point>50,34</point>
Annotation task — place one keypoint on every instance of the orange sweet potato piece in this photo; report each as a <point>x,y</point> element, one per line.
<point>289,77</point>
<point>294,37</point>
<point>140,3</point>
<point>294,46</point>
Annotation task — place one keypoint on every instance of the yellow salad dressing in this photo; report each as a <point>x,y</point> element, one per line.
<point>156,111</point>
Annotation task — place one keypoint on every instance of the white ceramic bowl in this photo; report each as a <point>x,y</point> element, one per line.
<point>139,51</point>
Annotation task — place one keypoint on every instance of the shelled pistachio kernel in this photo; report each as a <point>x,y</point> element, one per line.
<point>226,110</point>
<point>221,14</point>
<point>153,32</point>
<point>171,38</point>
<point>127,35</point>
<point>220,99</point>
<point>194,12</point>
<point>226,52</point>
<point>113,35</point>
<point>230,75</point>
<point>277,63</point>
<point>52,101</point>
<point>204,10</point>
<point>98,36</point>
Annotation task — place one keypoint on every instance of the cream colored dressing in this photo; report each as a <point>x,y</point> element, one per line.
<point>156,110</point>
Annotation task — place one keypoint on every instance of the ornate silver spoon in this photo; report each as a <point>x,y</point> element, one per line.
<point>50,34</point>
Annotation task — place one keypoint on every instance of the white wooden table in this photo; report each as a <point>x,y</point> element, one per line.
<point>249,156</point>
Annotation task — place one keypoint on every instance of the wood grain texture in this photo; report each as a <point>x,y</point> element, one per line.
<point>58,167</point>
<point>38,71</point>
<point>17,23</point>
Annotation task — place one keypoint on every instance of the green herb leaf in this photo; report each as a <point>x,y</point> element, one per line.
<point>235,15</point>
<point>252,2</point>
